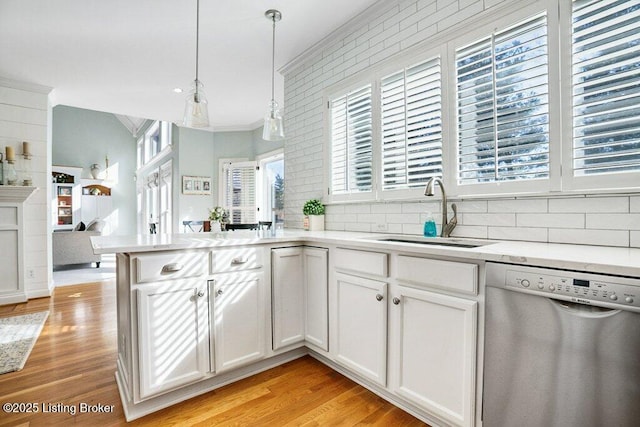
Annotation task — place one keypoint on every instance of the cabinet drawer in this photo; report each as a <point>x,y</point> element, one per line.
<point>366,262</point>
<point>170,266</point>
<point>236,259</point>
<point>450,275</point>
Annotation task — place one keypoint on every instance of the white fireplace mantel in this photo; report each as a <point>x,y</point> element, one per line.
<point>15,194</point>
<point>12,198</point>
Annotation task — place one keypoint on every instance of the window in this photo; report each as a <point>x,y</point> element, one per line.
<point>351,142</point>
<point>503,106</point>
<point>411,107</point>
<point>606,90</point>
<point>271,178</point>
<point>238,192</point>
<point>540,99</point>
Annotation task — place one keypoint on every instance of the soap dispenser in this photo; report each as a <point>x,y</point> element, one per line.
<point>430,226</point>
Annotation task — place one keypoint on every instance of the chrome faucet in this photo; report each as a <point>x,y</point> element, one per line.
<point>447,226</point>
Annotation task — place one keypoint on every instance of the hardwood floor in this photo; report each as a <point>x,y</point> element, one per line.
<point>73,362</point>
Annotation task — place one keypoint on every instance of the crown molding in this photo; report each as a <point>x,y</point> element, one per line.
<point>30,87</point>
<point>364,17</point>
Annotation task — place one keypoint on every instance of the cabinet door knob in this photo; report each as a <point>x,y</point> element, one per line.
<point>396,300</point>
<point>219,291</point>
<point>201,294</point>
<point>379,297</point>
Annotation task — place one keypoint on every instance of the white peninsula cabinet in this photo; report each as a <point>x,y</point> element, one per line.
<point>299,288</point>
<point>238,307</point>
<point>163,322</point>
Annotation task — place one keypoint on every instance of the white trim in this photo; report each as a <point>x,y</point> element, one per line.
<point>29,87</point>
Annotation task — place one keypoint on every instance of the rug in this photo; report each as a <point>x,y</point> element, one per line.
<point>18,334</point>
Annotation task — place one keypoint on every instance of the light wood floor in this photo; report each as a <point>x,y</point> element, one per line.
<point>73,361</point>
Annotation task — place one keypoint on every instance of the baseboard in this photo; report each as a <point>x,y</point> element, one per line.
<point>134,411</point>
<point>13,298</point>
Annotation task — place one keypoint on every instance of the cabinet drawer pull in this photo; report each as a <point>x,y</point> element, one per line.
<point>396,300</point>
<point>379,297</point>
<point>201,294</point>
<point>172,268</point>
<point>239,260</point>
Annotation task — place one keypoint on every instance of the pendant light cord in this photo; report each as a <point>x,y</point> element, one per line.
<point>273,59</point>
<point>197,41</point>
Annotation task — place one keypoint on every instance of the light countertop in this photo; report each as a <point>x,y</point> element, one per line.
<point>596,259</point>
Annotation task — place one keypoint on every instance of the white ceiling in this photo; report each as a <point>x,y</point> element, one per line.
<point>127,56</point>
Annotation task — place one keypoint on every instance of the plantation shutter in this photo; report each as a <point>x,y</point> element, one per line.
<point>503,106</point>
<point>411,112</point>
<point>351,142</point>
<point>606,86</point>
<point>239,191</point>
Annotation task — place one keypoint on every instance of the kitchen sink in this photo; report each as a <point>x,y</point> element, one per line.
<point>435,241</point>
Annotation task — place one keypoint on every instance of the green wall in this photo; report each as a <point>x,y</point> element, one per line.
<point>83,137</point>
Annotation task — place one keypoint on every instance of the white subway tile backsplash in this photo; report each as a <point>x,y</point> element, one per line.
<point>590,204</point>
<point>550,220</point>
<point>518,205</point>
<point>599,219</point>
<point>614,221</point>
<point>472,206</point>
<point>532,234</point>
<point>471,231</point>
<point>589,237</point>
<point>386,208</point>
<point>490,219</point>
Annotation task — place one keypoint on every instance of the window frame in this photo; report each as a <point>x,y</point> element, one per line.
<point>618,182</point>
<point>509,188</point>
<point>561,180</point>
<point>374,76</point>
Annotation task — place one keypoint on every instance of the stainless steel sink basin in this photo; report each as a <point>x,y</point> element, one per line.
<point>434,241</point>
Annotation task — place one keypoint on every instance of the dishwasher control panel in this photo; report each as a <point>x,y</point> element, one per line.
<point>578,287</point>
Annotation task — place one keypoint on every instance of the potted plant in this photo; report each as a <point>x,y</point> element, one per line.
<point>313,211</point>
<point>217,216</point>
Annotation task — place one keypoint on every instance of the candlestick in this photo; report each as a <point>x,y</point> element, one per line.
<point>26,149</point>
<point>10,154</point>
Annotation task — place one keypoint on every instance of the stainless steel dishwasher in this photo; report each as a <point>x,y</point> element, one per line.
<point>562,348</point>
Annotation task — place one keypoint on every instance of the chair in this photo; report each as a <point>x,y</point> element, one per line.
<point>232,227</point>
<point>265,225</point>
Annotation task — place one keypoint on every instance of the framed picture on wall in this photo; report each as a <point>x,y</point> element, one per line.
<point>196,185</point>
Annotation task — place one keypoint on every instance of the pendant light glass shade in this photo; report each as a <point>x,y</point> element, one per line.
<point>273,129</point>
<point>196,110</point>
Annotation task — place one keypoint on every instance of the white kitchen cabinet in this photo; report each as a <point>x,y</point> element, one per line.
<point>316,325</point>
<point>239,314</point>
<point>432,352</point>
<point>361,326</point>
<point>287,282</point>
<point>173,337</point>
<point>299,287</point>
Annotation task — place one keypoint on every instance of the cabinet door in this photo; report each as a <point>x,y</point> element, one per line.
<point>288,296</point>
<point>433,351</point>
<point>316,299</point>
<point>362,326</point>
<point>239,319</point>
<point>173,335</point>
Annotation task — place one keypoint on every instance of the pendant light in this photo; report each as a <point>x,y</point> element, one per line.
<point>196,111</point>
<point>273,129</point>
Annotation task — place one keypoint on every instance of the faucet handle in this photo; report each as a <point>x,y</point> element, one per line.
<point>449,226</point>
